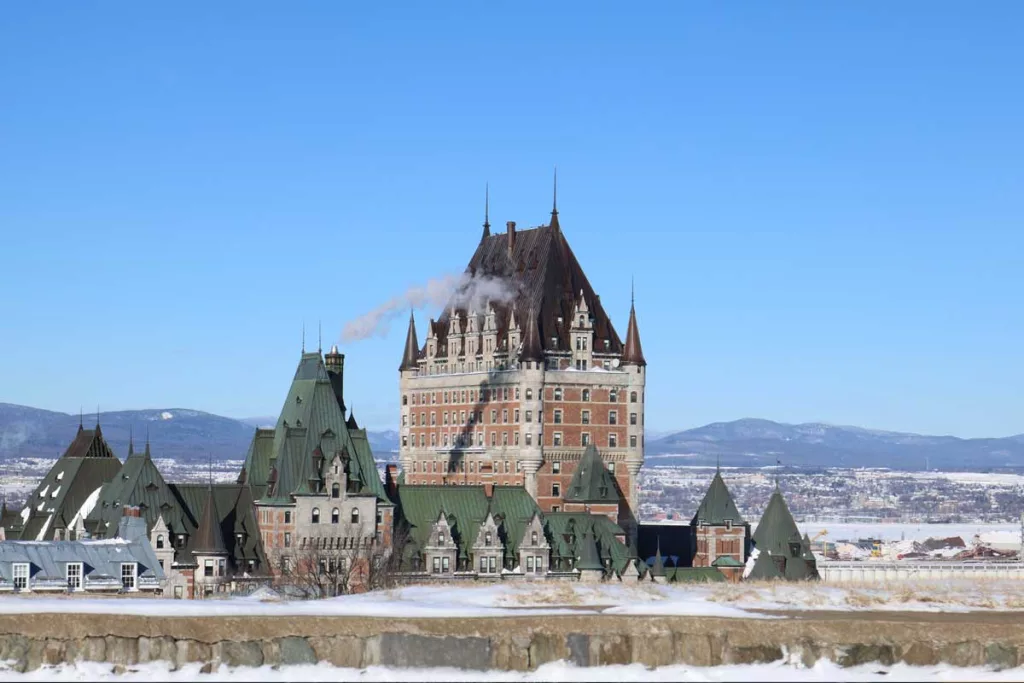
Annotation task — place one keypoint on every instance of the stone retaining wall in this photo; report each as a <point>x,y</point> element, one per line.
<point>513,643</point>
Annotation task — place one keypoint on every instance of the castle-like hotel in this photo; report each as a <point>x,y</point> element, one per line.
<point>522,439</point>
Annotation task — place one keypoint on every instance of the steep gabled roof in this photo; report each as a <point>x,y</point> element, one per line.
<point>776,528</point>
<point>139,483</point>
<point>311,422</point>
<point>412,346</point>
<point>209,539</point>
<point>592,482</point>
<point>546,277</point>
<point>87,464</point>
<point>589,556</point>
<point>237,522</point>
<point>778,539</point>
<point>633,351</point>
<point>717,505</point>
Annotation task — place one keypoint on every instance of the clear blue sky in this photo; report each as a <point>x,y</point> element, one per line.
<point>822,202</point>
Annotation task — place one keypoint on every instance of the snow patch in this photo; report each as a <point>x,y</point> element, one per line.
<point>55,492</point>
<point>166,415</point>
<point>87,506</point>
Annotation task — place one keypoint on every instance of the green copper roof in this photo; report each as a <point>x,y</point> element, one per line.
<point>566,531</point>
<point>726,561</point>
<point>694,575</point>
<point>237,522</point>
<point>718,505</point>
<point>592,482</point>
<point>589,556</point>
<point>466,508</point>
<point>778,540</point>
<point>311,423</point>
<point>139,483</point>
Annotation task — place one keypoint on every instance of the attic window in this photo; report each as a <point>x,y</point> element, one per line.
<point>728,524</point>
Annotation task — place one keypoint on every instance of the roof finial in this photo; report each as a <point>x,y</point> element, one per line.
<point>778,466</point>
<point>97,414</point>
<point>209,456</point>
<point>632,291</point>
<point>147,439</point>
<point>303,336</point>
<point>319,336</point>
<point>718,463</point>
<point>554,202</point>
<point>131,440</point>
<point>81,417</point>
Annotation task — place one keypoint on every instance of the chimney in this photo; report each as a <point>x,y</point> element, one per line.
<point>511,226</point>
<point>487,472</point>
<point>391,481</point>
<point>130,511</point>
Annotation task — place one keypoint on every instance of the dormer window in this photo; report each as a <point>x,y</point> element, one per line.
<point>728,524</point>
<point>298,400</point>
<point>440,538</point>
<point>533,538</point>
<point>160,542</point>
<point>487,538</point>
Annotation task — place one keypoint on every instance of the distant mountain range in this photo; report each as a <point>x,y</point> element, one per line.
<point>192,435</point>
<point>752,443</point>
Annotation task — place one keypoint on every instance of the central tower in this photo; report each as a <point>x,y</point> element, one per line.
<point>510,389</point>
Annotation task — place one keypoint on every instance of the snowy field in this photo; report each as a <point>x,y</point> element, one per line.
<point>556,671</point>
<point>747,600</point>
<point>911,532</point>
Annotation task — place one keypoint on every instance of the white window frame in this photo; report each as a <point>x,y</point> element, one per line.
<point>75,585</point>
<point>20,572</point>
<point>132,575</point>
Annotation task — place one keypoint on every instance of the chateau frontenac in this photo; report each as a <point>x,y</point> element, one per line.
<point>512,394</point>
<point>522,438</point>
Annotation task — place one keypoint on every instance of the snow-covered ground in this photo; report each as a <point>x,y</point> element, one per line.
<point>910,532</point>
<point>746,600</point>
<point>555,671</point>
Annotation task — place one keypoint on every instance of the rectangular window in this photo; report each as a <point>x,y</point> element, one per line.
<point>529,439</point>
<point>632,418</point>
<point>483,565</point>
<point>584,439</point>
<point>556,490</point>
<point>208,569</point>
<point>437,565</point>
<point>129,572</point>
<point>556,438</point>
<point>558,417</point>
<point>613,417</point>
<point>179,592</point>
<point>586,417</point>
<point>556,467</point>
<point>492,565</point>
<point>507,468</point>
<point>494,416</point>
<point>74,576</point>
<point>516,420</point>
<point>529,564</point>
<point>444,564</point>
<point>504,417</point>
<point>613,440</point>
<point>529,416</point>
<point>539,564</point>
<point>287,517</point>
<point>287,539</point>
<point>632,440</point>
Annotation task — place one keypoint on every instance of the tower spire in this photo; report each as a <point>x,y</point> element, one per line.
<point>554,202</point>
<point>487,211</point>
<point>319,336</point>
<point>633,351</point>
<point>131,441</point>
<point>412,346</point>
<point>147,440</point>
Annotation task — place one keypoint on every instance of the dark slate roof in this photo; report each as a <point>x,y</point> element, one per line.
<point>780,545</point>
<point>311,425</point>
<point>209,539</point>
<point>139,483</point>
<point>658,566</point>
<point>592,482</point>
<point>718,505</point>
<point>633,351</point>
<point>532,349</point>
<point>547,278</point>
<point>87,464</point>
<point>234,503</point>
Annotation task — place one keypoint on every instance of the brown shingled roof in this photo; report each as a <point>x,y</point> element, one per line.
<point>547,278</point>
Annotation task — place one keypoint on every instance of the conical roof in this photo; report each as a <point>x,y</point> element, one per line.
<point>718,505</point>
<point>412,346</point>
<point>209,537</point>
<point>633,352</point>
<point>658,568</point>
<point>592,482</point>
<point>776,528</point>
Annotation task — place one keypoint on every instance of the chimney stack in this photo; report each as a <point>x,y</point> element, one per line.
<point>511,226</point>
<point>391,481</point>
<point>130,511</point>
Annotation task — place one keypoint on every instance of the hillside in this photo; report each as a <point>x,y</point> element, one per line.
<point>176,433</point>
<point>751,442</point>
<point>191,435</point>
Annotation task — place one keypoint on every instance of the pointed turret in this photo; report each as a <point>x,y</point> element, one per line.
<point>718,506</point>
<point>532,349</point>
<point>351,421</point>
<point>658,568</point>
<point>633,352</point>
<point>209,537</point>
<point>592,482</point>
<point>412,346</point>
<point>590,559</point>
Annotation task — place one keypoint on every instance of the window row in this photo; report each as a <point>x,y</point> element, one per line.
<point>460,466</point>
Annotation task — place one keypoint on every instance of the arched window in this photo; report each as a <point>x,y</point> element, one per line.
<point>632,397</point>
<point>613,396</point>
<point>335,515</point>
<point>159,541</point>
<point>355,515</point>
<point>315,518</point>
<point>335,490</point>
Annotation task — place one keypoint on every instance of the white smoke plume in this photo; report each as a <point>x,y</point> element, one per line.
<point>472,292</point>
<point>13,436</point>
